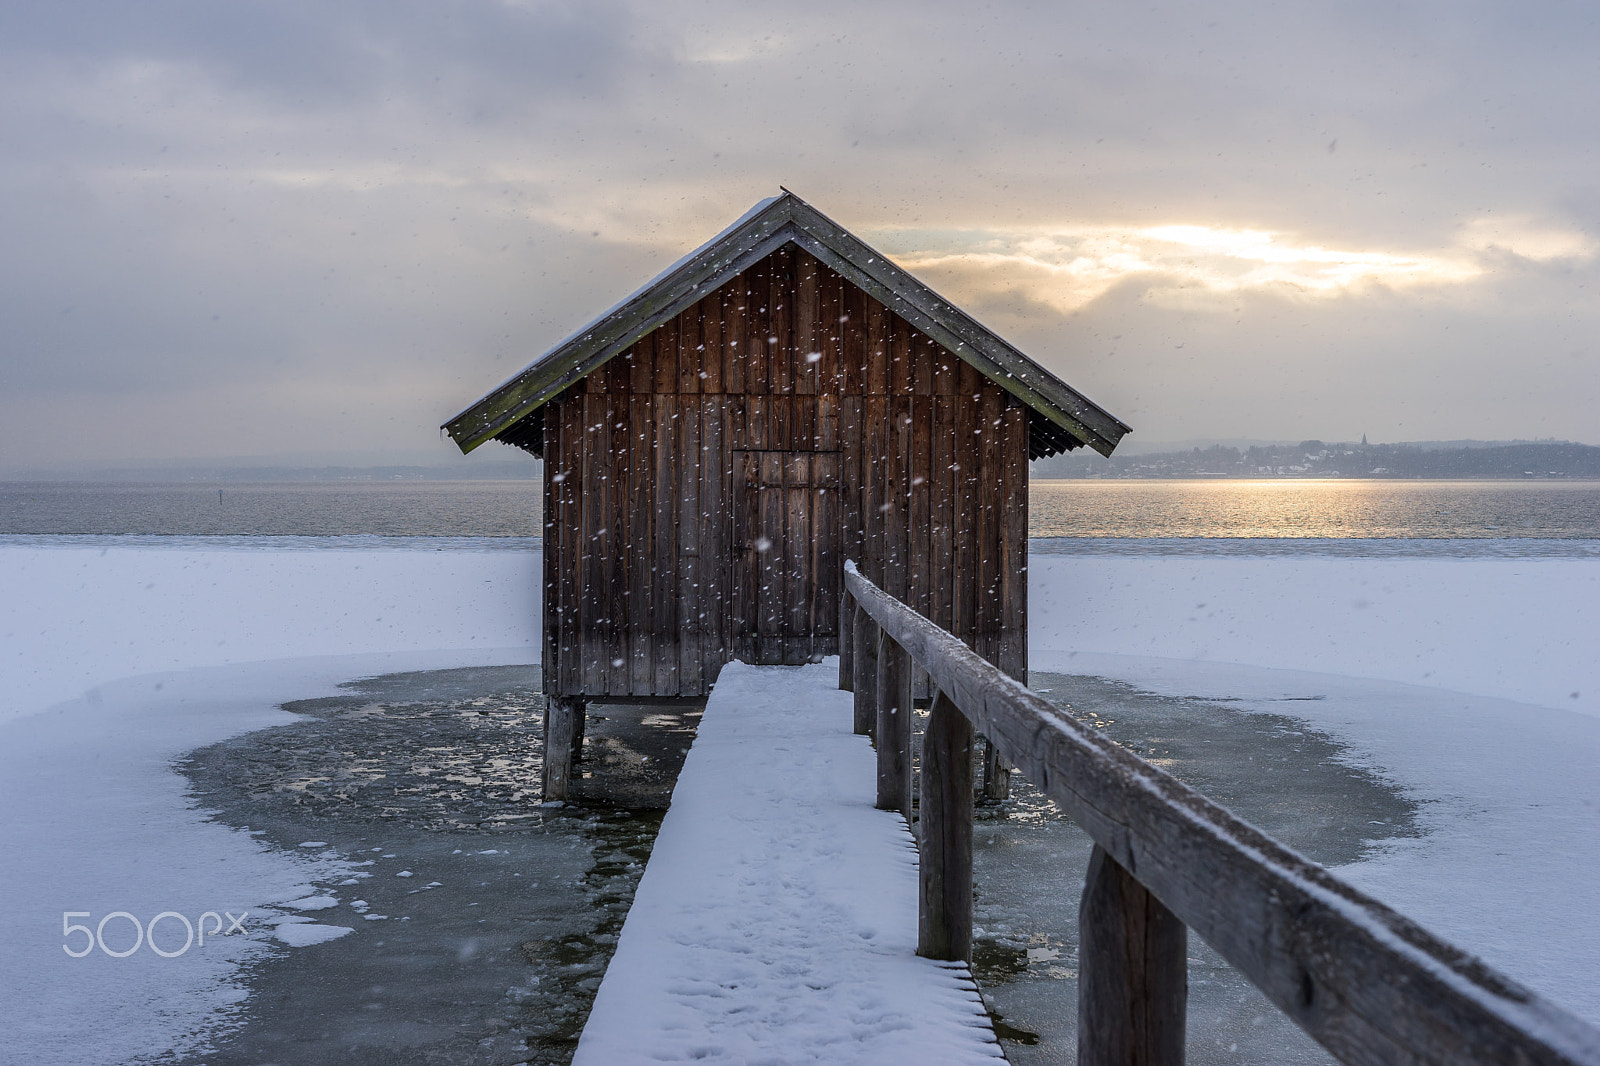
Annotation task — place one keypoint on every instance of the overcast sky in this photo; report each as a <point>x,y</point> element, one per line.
<point>320,229</point>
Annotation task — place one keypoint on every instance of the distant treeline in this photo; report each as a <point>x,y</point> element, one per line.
<point>1313,458</point>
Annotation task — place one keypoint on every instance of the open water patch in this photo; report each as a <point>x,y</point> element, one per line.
<point>1287,778</point>
<point>482,919</point>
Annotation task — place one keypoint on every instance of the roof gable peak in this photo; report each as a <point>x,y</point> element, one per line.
<point>766,227</point>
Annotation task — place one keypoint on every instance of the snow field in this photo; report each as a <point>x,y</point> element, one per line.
<point>72,618</point>
<point>776,921</point>
<point>1520,629</point>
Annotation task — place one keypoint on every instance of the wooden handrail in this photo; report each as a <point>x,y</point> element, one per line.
<point>1365,982</point>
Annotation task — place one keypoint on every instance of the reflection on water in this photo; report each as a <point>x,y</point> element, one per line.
<point>1323,508</point>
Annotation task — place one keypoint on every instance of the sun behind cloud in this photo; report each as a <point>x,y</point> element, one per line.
<point>1198,266</point>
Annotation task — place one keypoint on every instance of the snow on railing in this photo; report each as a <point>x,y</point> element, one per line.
<point>1367,983</point>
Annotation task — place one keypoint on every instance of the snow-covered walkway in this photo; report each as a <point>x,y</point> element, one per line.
<point>777,919</point>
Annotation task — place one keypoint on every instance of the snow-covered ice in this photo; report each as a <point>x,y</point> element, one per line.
<point>1450,675</point>
<point>777,918</point>
<point>76,617</point>
<point>305,935</point>
<point>115,661</point>
<point>1522,629</point>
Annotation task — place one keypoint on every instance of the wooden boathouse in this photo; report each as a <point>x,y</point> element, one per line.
<point>718,444</point>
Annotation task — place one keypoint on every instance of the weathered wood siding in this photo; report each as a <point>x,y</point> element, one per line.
<point>647,460</point>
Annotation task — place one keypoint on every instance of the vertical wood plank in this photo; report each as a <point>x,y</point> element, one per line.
<point>780,429</point>
<point>799,592</point>
<point>735,333</point>
<point>864,632</point>
<point>875,421</point>
<point>769,550</point>
<point>664,567</point>
<point>641,545</point>
<point>989,526</point>
<point>758,431</point>
<point>897,485</point>
<point>851,479</point>
<point>877,345</point>
<point>924,357</point>
<point>1014,545</point>
<point>944,823</point>
<point>782,305</point>
<point>829,330</point>
<point>827,408</point>
<point>894,727</point>
<point>690,570</point>
<point>550,602</point>
<point>899,356</point>
<point>1132,972</point>
<point>919,532</point>
<point>852,340</point>
<point>666,352</point>
<point>745,562</point>
<point>807,344</point>
<point>944,372</point>
<point>963,600</point>
<point>847,642</point>
<point>618,510</point>
<point>691,350</point>
<point>943,478</point>
<point>712,357</point>
<point>642,366</point>
<point>570,673</point>
<point>591,613</point>
<point>825,563</point>
<point>715,560</point>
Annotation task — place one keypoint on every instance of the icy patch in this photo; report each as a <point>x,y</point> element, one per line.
<point>301,936</point>
<point>312,903</point>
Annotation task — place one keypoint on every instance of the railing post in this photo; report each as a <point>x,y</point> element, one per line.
<point>944,819</point>
<point>864,636</point>
<point>996,774</point>
<point>1133,977</point>
<point>561,734</point>
<point>847,644</point>
<point>894,727</point>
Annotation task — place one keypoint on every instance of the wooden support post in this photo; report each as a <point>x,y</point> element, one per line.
<point>580,718</point>
<point>944,912</point>
<point>560,725</point>
<point>996,775</point>
<point>1133,977</point>
<point>894,727</point>
<point>847,644</point>
<point>864,636</point>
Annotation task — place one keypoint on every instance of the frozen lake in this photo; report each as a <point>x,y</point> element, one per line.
<point>1450,699</point>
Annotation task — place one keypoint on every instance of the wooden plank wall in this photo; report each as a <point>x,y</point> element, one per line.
<point>786,357</point>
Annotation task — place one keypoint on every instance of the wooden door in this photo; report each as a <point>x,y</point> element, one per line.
<point>786,556</point>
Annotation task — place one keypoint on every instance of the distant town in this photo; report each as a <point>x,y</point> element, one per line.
<point>1317,459</point>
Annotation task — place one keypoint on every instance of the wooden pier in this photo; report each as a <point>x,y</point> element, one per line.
<point>777,918</point>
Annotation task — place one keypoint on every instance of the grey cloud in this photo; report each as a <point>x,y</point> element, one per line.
<point>263,198</point>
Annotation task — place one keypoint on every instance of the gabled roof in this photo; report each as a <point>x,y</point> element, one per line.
<point>1065,417</point>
